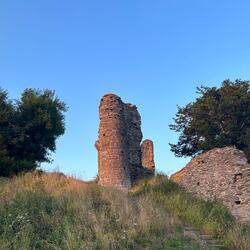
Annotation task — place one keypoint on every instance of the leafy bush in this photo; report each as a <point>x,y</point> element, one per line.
<point>219,117</point>
<point>28,129</point>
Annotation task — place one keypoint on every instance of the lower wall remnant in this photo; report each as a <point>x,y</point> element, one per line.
<point>147,158</point>
<point>223,174</point>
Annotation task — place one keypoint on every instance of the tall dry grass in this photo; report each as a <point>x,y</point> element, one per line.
<point>52,211</point>
<point>52,183</point>
<point>211,217</point>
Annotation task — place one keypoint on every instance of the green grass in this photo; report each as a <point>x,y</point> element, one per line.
<point>51,211</point>
<point>210,217</point>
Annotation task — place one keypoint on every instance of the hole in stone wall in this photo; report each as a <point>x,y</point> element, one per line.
<point>237,202</point>
<point>237,177</point>
<point>104,134</point>
<point>198,183</point>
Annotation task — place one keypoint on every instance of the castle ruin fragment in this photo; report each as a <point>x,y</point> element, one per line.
<point>220,174</point>
<point>122,159</point>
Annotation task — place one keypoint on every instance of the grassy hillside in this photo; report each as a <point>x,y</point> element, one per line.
<point>52,211</point>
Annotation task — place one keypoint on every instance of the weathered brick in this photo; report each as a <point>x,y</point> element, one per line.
<point>118,145</point>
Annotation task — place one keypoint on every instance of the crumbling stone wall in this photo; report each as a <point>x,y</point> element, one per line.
<point>133,135</point>
<point>147,149</point>
<point>222,174</point>
<point>118,145</point>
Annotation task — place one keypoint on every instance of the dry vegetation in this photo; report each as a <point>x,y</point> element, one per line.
<point>52,183</point>
<point>52,211</point>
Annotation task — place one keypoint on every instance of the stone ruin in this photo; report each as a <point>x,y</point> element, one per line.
<point>122,159</point>
<point>223,174</point>
<point>147,157</point>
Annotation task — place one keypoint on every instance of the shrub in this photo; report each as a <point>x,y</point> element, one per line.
<point>28,129</point>
<point>219,117</point>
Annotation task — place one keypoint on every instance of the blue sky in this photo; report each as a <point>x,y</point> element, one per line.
<point>151,53</point>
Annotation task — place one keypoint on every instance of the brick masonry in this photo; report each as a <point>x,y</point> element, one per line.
<point>119,144</point>
<point>147,149</point>
<point>222,174</point>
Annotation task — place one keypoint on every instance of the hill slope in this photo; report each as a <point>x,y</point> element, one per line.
<point>52,211</point>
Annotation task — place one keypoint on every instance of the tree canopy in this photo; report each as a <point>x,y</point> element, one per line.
<point>219,117</point>
<point>29,128</point>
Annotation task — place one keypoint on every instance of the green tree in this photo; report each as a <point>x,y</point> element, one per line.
<point>29,129</point>
<point>219,117</point>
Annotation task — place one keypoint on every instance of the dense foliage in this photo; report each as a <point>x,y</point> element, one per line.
<point>28,129</point>
<point>219,117</point>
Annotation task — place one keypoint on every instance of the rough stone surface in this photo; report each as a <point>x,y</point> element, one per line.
<point>147,149</point>
<point>222,174</point>
<point>118,145</point>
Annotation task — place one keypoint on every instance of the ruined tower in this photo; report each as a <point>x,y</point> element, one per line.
<point>147,150</point>
<point>118,145</point>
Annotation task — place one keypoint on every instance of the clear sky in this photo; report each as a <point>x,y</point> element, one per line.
<point>151,53</point>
